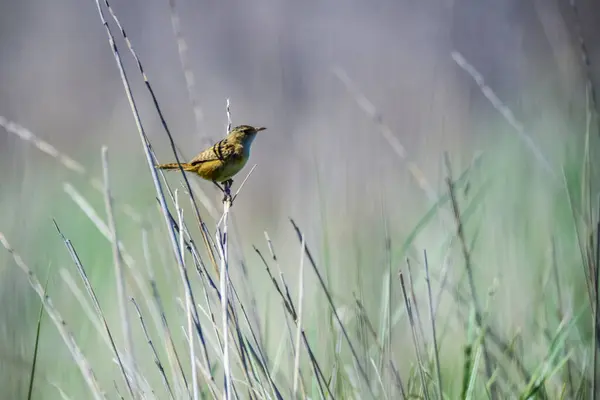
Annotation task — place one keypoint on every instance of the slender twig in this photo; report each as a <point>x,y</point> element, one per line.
<point>390,283</point>
<point>226,307</point>
<point>468,267</point>
<point>585,59</point>
<point>495,338</point>
<point>159,365</point>
<point>288,308</point>
<point>386,350</point>
<point>63,395</point>
<point>504,111</point>
<point>188,74</point>
<point>299,322</point>
<point>379,378</point>
<point>413,297</point>
<point>189,305</point>
<point>229,123</point>
<point>233,318</point>
<point>596,308</point>
<point>157,316</point>
<point>243,183</point>
<point>188,290</point>
<point>369,108</point>
<point>363,315</point>
<point>119,272</point>
<point>580,241</point>
<point>288,297</point>
<point>169,339</point>
<point>288,305</point>
<point>560,312</point>
<point>83,302</point>
<point>436,356</point>
<point>291,310</point>
<point>37,341</point>
<point>96,303</point>
<point>414,336</point>
<point>258,353</point>
<point>334,311</point>
<point>224,274</point>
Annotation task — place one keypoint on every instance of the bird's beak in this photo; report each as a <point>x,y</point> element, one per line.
<point>262,128</point>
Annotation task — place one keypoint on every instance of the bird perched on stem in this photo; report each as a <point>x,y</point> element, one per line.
<point>220,162</point>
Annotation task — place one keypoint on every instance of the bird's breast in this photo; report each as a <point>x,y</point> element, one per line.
<point>232,167</point>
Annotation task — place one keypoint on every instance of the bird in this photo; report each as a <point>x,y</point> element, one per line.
<point>223,160</point>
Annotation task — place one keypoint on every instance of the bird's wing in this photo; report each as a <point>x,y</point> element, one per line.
<point>217,152</point>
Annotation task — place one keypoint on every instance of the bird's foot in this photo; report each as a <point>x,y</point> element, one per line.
<point>227,185</point>
<point>227,195</point>
<point>226,189</point>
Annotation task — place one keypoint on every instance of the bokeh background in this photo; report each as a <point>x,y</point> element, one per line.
<point>323,161</point>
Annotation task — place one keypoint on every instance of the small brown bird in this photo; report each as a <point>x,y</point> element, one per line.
<point>220,162</point>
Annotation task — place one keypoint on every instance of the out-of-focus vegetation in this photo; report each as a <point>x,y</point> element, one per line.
<point>493,188</point>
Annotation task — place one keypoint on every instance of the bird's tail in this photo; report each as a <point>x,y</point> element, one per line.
<point>185,166</point>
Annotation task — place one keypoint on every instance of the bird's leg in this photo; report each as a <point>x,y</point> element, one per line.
<point>227,190</point>
<point>219,186</point>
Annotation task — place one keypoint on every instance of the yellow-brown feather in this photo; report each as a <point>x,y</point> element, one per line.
<point>185,166</point>
<point>219,171</point>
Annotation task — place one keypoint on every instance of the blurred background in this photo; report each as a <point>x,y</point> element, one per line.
<point>323,160</point>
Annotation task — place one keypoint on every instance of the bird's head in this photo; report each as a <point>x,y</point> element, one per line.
<point>245,133</point>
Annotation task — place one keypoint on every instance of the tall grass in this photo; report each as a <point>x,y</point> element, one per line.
<point>508,280</point>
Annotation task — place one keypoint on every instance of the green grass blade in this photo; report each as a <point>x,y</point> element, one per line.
<point>37,341</point>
